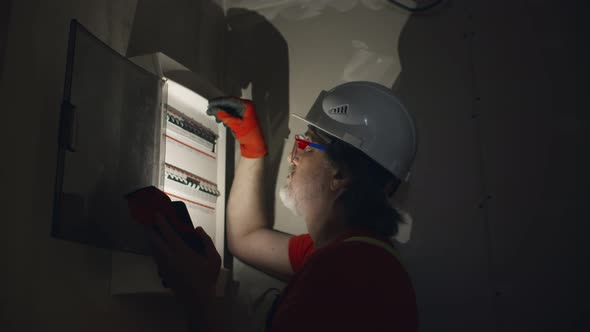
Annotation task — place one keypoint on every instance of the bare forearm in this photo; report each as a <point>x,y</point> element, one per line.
<point>248,226</point>
<point>246,211</point>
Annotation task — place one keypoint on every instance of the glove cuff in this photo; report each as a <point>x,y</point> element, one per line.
<point>252,145</point>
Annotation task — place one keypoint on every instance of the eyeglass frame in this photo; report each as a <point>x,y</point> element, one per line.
<point>302,143</point>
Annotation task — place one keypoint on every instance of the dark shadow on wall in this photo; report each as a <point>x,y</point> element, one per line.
<point>409,86</point>
<point>434,62</point>
<point>512,79</point>
<point>5,6</point>
<point>191,32</point>
<point>232,52</point>
<point>436,86</point>
<point>258,55</point>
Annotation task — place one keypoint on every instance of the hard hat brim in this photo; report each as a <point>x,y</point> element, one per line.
<point>313,124</point>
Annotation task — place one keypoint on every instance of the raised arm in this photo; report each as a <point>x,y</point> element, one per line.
<point>249,233</point>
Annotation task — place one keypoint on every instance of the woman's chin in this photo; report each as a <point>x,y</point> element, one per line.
<point>288,200</point>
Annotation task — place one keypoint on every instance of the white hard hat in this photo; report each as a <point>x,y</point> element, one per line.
<point>369,117</point>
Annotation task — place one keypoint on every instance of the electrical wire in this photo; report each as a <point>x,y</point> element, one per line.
<point>261,298</point>
<point>416,9</point>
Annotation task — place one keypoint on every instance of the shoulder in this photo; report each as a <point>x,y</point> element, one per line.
<point>300,248</point>
<point>357,266</point>
<point>337,278</point>
<point>348,254</point>
<point>303,241</point>
<point>362,271</point>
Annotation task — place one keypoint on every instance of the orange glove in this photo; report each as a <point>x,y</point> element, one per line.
<point>240,116</point>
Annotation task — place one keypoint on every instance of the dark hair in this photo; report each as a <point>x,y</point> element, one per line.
<point>365,199</point>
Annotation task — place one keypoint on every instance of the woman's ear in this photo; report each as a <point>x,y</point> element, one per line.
<point>340,180</point>
<point>389,189</point>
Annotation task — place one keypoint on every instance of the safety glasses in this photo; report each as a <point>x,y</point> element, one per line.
<point>301,144</point>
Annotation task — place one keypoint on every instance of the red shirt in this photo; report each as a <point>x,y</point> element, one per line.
<point>345,286</point>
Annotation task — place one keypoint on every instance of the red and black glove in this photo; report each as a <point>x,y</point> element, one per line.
<point>146,203</point>
<point>187,259</point>
<point>239,115</point>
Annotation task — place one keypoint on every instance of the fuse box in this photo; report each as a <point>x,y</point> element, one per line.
<point>126,124</point>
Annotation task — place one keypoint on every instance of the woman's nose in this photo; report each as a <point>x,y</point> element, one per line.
<point>292,158</point>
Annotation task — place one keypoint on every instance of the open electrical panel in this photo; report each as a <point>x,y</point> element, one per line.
<point>125,124</point>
